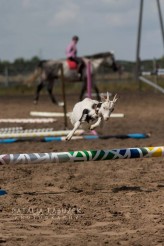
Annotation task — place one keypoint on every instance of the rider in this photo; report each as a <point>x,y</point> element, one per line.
<point>71,54</point>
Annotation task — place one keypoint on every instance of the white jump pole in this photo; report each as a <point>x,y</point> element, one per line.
<point>151,83</point>
<point>21,130</point>
<point>60,114</point>
<point>38,134</point>
<point>48,114</point>
<point>40,120</point>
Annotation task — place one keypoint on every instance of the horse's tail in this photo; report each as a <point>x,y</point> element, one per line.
<point>35,74</point>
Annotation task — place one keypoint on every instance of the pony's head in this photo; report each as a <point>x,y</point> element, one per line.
<point>107,106</point>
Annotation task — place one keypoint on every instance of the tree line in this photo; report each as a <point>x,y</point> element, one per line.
<point>19,66</point>
<point>23,66</point>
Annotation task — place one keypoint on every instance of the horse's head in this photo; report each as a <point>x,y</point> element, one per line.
<point>96,60</point>
<point>110,60</point>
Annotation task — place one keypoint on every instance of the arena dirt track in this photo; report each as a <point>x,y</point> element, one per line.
<point>119,202</point>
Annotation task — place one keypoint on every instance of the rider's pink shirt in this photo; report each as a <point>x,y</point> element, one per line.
<point>71,50</point>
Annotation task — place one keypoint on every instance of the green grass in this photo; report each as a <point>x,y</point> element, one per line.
<point>111,84</point>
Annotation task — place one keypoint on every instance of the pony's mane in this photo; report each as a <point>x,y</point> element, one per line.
<point>99,55</point>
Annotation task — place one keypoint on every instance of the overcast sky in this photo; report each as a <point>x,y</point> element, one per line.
<point>44,28</point>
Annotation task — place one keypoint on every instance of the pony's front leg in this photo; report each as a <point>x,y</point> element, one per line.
<point>96,124</point>
<point>76,126</point>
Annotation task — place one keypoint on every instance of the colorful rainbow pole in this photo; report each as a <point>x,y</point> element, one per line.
<point>83,155</point>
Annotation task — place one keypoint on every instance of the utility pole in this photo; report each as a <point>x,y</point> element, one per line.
<point>139,78</point>
<point>161,20</point>
<point>138,44</point>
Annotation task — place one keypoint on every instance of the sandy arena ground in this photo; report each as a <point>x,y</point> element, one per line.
<point>119,202</point>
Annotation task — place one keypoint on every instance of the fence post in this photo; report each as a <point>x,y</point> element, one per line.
<point>89,81</point>
<point>64,97</point>
<point>6,77</point>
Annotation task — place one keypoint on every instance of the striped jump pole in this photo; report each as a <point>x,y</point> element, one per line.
<point>85,137</point>
<point>82,155</point>
<point>38,134</point>
<point>2,192</point>
<point>21,130</point>
<point>95,137</point>
<point>40,120</point>
<point>4,129</point>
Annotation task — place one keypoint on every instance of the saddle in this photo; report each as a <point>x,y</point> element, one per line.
<point>72,64</point>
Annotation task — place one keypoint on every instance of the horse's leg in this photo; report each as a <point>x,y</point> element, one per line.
<point>50,91</point>
<point>96,90</point>
<point>83,89</point>
<point>38,89</point>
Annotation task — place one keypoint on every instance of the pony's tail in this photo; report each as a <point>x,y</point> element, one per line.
<point>33,76</point>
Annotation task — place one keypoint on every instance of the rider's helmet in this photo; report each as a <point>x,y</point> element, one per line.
<point>76,38</point>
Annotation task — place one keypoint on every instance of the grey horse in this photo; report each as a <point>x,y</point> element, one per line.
<point>50,70</point>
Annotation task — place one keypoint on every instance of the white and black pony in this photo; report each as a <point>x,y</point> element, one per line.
<point>50,70</point>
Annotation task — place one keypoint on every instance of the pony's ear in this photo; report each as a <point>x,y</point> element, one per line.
<point>107,96</point>
<point>115,98</point>
<point>103,98</point>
